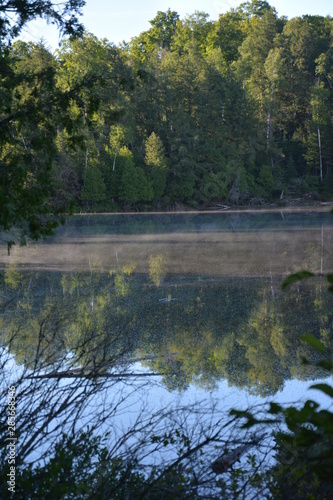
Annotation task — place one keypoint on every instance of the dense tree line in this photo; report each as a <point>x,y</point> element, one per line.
<point>208,111</point>
<point>191,111</point>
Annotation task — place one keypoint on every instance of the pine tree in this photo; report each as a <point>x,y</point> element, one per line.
<point>93,187</point>
<point>134,185</point>
<point>156,162</point>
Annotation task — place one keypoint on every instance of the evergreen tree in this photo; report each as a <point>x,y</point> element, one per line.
<point>156,162</point>
<point>93,185</point>
<point>134,185</point>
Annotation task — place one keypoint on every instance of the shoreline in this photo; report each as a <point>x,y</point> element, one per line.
<point>322,207</point>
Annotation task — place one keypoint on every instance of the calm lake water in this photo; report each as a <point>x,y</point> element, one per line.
<point>168,309</point>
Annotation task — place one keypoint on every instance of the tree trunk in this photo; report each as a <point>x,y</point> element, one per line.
<point>320,156</point>
<point>267,130</point>
<point>114,159</point>
<point>86,163</point>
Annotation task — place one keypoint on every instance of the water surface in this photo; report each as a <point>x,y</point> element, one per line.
<point>135,313</point>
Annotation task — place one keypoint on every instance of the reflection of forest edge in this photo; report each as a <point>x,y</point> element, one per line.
<point>245,330</point>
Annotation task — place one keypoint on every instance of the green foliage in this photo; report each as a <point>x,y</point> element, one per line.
<point>163,27</point>
<point>82,466</point>
<point>15,15</point>
<point>231,33</point>
<point>134,185</point>
<point>300,275</point>
<point>156,162</point>
<point>255,8</point>
<point>313,341</point>
<point>328,187</point>
<point>235,111</point>
<point>27,135</point>
<point>78,467</point>
<point>304,458</point>
<point>31,108</point>
<point>93,185</point>
<point>158,37</point>
<point>266,179</point>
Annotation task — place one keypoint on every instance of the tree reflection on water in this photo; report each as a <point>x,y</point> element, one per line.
<point>72,343</point>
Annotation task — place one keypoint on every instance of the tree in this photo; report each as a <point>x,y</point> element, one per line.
<point>254,51</point>
<point>28,127</point>
<point>28,122</point>
<point>255,8</point>
<point>321,117</point>
<point>15,14</point>
<point>156,162</point>
<point>231,34</point>
<point>194,30</point>
<point>163,28</point>
<point>97,69</point>
<point>159,36</point>
<point>93,188</point>
<point>134,185</point>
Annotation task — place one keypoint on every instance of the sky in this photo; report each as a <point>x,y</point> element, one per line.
<point>119,21</point>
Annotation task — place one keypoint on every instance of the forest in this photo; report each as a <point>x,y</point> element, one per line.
<point>191,113</point>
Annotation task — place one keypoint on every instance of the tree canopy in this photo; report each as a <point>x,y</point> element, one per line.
<point>15,14</point>
<point>31,109</point>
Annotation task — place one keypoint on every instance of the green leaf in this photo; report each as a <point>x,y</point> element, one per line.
<point>301,275</point>
<point>241,413</point>
<point>327,389</point>
<point>274,408</point>
<point>251,420</point>
<point>312,340</point>
<point>330,280</point>
<point>326,365</point>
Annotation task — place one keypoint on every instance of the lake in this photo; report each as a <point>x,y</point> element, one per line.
<point>136,314</point>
